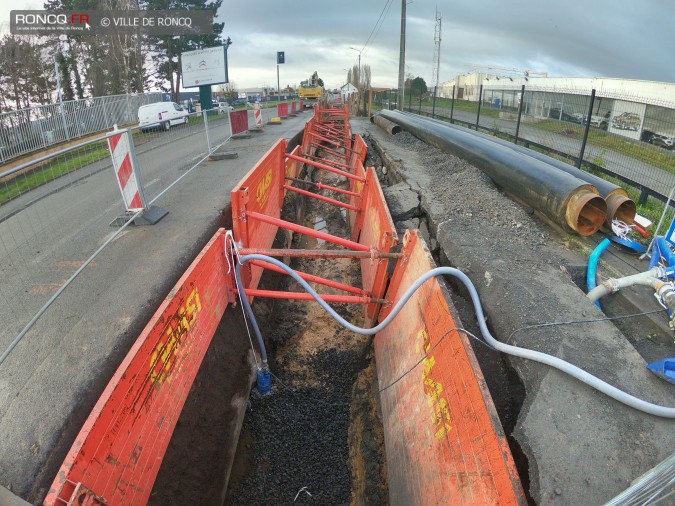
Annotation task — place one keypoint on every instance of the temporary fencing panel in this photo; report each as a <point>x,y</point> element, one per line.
<point>126,172</point>
<point>261,191</point>
<point>117,454</point>
<point>443,438</point>
<point>239,121</point>
<point>360,149</point>
<point>293,107</point>
<point>282,110</point>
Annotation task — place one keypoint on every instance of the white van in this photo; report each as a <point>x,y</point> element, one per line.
<point>161,115</point>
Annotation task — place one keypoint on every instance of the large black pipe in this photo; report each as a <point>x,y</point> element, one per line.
<point>388,126</point>
<point>565,199</point>
<point>619,205</point>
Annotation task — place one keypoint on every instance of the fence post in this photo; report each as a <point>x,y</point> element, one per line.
<point>520,112</point>
<point>480,101</point>
<point>433,106</point>
<point>588,125</point>
<point>42,133</point>
<point>452,104</point>
<point>206,128</point>
<point>419,109</point>
<point>76,113</point>
<point>65,123</point>
<point>410,100</point>
<point>105,115</point>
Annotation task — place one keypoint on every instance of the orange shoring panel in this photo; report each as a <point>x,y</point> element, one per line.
<point>261,190</point>
<point>377,232</point>
<point>119,449</point>
<point>443,440</point>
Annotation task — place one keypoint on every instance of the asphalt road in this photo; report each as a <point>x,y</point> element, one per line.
<point>50,382</point>
<point>640,172</point>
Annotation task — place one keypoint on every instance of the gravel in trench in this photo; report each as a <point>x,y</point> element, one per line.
<point>296,445</point>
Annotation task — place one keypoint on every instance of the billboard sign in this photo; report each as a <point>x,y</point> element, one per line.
<point>626,119</point>
<point>204,67</point>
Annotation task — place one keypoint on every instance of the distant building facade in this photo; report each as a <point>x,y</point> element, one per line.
<point>628,107</point>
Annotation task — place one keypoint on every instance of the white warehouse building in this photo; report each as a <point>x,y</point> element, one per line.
<point>628,107</point>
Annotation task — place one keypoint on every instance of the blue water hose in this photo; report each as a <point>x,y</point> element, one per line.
<point>592,271</point>
<point>561,365</point>
<point>665,252</point>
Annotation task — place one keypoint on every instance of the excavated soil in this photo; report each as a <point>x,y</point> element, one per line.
<point>317,437</point>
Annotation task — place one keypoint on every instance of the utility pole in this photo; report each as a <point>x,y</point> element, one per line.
<point>401,59</point>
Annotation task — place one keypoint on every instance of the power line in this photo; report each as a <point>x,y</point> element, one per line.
<point>378,25</point>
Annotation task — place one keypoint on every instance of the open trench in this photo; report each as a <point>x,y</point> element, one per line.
<point>317,437</point>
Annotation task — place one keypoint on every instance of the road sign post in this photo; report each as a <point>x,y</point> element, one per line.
<point>281,58</point>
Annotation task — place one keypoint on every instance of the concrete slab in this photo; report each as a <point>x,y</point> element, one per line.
<point>403,202</point>
<point>581,446</point>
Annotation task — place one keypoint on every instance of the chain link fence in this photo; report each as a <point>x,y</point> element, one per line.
<point>57,209</point>
<point>628,138</point>
<point>39,127</point>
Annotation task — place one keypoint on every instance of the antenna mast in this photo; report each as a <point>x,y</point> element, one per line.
<point>436,67</point>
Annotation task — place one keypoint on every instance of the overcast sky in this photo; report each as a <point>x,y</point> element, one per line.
<point>617,38</point>
<point>609,38</point>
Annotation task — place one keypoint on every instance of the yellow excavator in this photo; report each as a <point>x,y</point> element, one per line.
<point>311,90</point>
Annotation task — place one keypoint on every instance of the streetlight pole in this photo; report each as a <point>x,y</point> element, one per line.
<point>60,98</point>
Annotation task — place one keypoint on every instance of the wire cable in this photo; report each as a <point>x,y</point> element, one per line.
<point>575,322</point>
<point>426,355</point>
<point>386,7</point>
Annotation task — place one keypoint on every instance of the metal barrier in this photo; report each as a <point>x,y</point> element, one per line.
<point>25,228</point>
<point>38,127</point>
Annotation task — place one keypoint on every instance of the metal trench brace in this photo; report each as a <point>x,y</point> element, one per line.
<point>255,220</point>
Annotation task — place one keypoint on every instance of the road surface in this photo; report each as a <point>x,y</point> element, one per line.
<point>50,382</point>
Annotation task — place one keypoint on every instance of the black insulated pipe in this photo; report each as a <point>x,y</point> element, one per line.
<point>563,198</point>
<point>388,126</point>
<point>619,205</point>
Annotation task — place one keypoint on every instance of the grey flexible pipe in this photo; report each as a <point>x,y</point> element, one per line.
<point>561,365</point>
<point>648,278</point>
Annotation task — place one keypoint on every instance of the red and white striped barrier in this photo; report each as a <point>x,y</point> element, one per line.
<point>126,171</point>
<point>258,116</point>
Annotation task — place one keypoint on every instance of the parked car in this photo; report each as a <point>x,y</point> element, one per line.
<point>599,122</point>
<point>224,107</point>
<point>161,115</point>
<point>555,113</point>
<point>662,140</point>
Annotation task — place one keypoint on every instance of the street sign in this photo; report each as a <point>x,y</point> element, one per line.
<point>280,57</point>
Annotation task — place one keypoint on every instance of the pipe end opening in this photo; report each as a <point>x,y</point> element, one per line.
<point>587,213</point>
<point>620,207</point>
